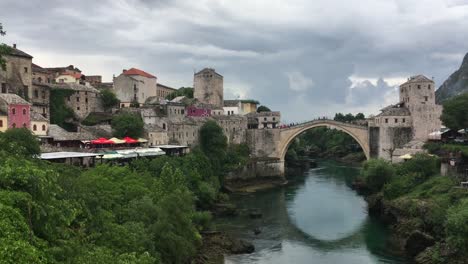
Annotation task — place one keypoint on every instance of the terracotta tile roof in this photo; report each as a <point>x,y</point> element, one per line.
<point>76,75</point>
<point>134,71</point>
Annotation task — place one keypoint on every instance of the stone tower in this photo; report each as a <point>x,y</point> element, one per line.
<point>208,87</point>
<point>418,95</point>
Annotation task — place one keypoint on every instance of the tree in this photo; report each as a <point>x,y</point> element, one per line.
<point>360,116</point>
<point>457,225</point>
<point>213,143</point>
<point>4,49</point>
<point>109,99</point>
<point>182,91</point>
<point>19,141</point>
<point>127,124</point>
<point>377,172</point>
<point>455,112</point>
<point>263,108</point>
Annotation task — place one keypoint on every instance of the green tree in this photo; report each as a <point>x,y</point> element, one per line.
<point>213,143</point>
<point>19,141</point>
<point>457,225</point>
<point>263,108</point>
<point>4,50</point>
<point>455,112</point>
<point>377,172</point>
<point>109,99</point>
<point>127,124</point>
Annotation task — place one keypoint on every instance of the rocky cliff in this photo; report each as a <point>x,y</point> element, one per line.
<point>456,84</point>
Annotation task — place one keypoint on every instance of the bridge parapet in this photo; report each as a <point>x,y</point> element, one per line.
<point>329,121</point>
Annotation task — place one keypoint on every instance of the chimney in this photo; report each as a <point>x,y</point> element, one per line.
<point>14,45</point>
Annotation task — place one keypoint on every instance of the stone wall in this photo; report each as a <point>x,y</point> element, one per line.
<point>18,77</point>
<point>257,169</point>
<point>263,143</point>
<point>127,88</point>
<point>208,87</point>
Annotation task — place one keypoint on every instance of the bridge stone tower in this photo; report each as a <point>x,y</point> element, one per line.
<point>208,87</point>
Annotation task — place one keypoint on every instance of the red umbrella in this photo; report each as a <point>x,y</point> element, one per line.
<point>102,141</point>
<point>130,140</point>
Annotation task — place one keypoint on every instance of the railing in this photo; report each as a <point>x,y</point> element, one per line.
<point>297,124</point>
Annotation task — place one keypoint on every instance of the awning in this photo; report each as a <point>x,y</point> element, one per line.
<point>142,140</point>
<point>130,140</point>
<point>406,156</point>
<point>117,141</point>
<point>102,141</point>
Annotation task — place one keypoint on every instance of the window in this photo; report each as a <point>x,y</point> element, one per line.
<point>43,110</point>
<point>183,111</point>
<point>77,99</point>
<point>164,126</point>
<point>274,119</point>
<point>1,123</point>
<point>429,87</point>
<point>86,93</point>
<point>425,98</point>
<point>24,111</point>
<point>78,108</point>
<point>419,86</point>
<point>396,120</point>
<point>403,120</point>
<point>86,100</point>
<point>386,120</point>
<point>122,105</point>
<point>13,111</point>
<point>13,125</point>
<point>36,94</point>
<point>25,69</point>
<point>4,89</point>
<point>43,94</point>
<point>68,98</point>
<point>34,127</point>
<point>39,79</point>
<point>264,119</point>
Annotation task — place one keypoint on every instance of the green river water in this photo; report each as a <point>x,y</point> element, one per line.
<point>317,218</point>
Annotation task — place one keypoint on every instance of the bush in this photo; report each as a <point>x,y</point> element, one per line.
<point>377,172</point>
<point>422,164</point>
<point>400,185</point>
<point>127,124</point>
<point>457,225</point>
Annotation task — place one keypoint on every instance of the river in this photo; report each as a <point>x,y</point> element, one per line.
<point>317,218</point>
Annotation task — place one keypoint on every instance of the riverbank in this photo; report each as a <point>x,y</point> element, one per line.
<point>423,210</point>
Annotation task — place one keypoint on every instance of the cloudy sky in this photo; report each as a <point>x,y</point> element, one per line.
<point>304,58</point>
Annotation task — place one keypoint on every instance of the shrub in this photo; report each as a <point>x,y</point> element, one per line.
<point>400,185</point>
<point>457,225</point>
<point>422,164</point>
<point>376,173</point>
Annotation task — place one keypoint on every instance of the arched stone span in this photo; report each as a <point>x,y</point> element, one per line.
<point>359,133</point>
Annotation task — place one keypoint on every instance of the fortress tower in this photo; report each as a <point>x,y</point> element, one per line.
<point>208,87</point>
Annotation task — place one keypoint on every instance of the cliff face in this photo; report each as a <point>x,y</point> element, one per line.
<point>456,84</point>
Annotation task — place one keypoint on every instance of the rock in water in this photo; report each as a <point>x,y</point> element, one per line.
<point>240,246</point>
<point>417,242</point>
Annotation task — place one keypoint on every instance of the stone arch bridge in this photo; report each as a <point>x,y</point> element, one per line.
<point>269,146</point>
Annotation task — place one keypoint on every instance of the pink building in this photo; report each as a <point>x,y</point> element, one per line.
<point>198,111</point>
<point>18,109</point>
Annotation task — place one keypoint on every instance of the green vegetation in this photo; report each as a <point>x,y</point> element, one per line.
<point>263,108</point>
<point>455,112</point>
<point>421,199</point>
<point>182,91</point>
<point>441,148</point>
<point>95,118</point>
<point>150,211</point>
<point>127,124</point>
<point>60,113</point>
<point>4,49</point>
<point>348,117</point>
<point>109,99</point>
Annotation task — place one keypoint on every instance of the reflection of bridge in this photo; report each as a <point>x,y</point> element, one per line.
<point>271,145</point>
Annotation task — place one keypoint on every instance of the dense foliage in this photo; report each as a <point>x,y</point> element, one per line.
<point>182,91</point>
<point>263,108</point>
<point>455,112</point>
<point>127,124</point>
<point>348,117</point>
<point>60,113</point>
<point>376,173</point>
<point>4,50</point>
<point>109,99</point>
<point>19,141</point>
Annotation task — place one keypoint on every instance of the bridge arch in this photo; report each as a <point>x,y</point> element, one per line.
<point>359,133</point>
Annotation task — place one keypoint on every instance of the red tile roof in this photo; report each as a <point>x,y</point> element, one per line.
<point>75,75</point>
<point>134,71</point>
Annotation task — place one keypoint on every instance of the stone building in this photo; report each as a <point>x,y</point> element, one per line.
<point>94,80</point>
<point>56,71</point>
<point>156,135</point>
<point>40,98</point>
<point>240,107</point>
<point>17,77</point>
<point>39,124</point>
<point>404,127</point>
<point>134,86</point>
<point>162,91</point>
<point>208,87</point>
<point>83,100</point>
<point>418,95</point>
<point>41,75</point>
<point>235,127</point>
<point>263,120</point>
<point>69,78</point>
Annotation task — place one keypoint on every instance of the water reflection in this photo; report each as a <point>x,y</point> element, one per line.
<point>318,219</point>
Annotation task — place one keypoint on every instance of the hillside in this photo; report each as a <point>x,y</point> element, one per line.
<point>456,84</point>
